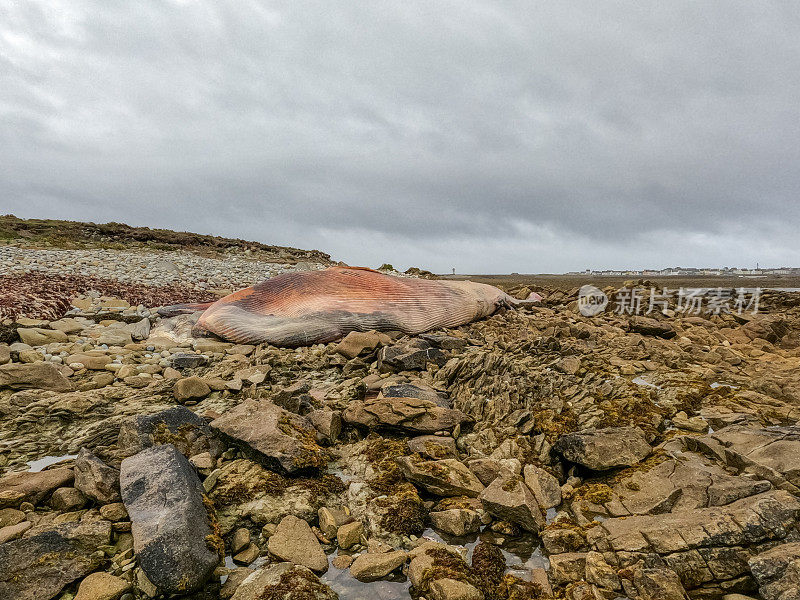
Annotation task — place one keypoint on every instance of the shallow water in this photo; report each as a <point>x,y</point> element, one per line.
<point>642,381</point>
<point>522,554</point>
<point>34,466</point>
<point>717,384</point>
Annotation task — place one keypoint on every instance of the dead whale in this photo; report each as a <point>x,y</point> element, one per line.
<point>309,307</point>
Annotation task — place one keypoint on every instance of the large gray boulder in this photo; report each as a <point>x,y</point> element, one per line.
<point>280,439</point>
<point>603,449</point>
<point>39,566</point>
<point>172,522</point>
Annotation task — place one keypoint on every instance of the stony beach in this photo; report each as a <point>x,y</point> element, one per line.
<point>537,453</point>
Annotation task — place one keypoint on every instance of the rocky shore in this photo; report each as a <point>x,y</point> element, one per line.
<point>535,454</point>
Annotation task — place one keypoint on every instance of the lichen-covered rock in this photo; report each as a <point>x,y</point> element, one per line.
<point>777,571</point>
<point>283,581</point>
<point>178,426</point>
<point>173,524</point>
<point>277,437</point>
<point>511,500</point>
<point>446,477</point>
<point>39,566</point>
<point>407,414</point>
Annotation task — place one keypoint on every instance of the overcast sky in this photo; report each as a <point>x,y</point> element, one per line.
<point>488,136</point>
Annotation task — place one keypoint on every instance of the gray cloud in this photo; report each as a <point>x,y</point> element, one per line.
<point>489,136</point>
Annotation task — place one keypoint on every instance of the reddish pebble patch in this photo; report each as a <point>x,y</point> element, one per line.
<point>40,296</point>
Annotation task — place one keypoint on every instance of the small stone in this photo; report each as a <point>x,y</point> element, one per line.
<point>342,561</point>
<point>247,556</point>
<point>102,586</point>
<point>350,534</point>
<point>190,388</point>
<point>67,499</point>
<point>114,512</point>
<point>240,540</point>
<point>372,567</point>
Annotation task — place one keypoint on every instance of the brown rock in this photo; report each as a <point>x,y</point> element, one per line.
<point>190,388</point>
<point>38,375</point>
<point>446,477</point>
<point>294,542</point>
<point>102,586</point>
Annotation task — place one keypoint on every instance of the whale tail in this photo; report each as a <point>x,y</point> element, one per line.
<point>183,309</point>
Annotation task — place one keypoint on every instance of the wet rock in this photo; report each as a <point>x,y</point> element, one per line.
<point>511,500</point>
<point>34,487</point>
<point>446,477</point>
<point>544,486</point>
<point>41,565</point>
<point>372,567</point>
<point>603,449</point>
<point>413,390</point>
<point>280,439</point>
<point>409,414</point>
<point>178,426</point>
<point>190,388</point>
<point>433,446</point>
<point>357,342</point>
<point>283,580</point>
<point>777,572</point>
<point>172,523</point>
<point>102,586</point>
<point>293,541</point>
<point>95,479</point>
<point>36,336</point>
<point>453,589</point>
<point>402,358</point>
<point>186,360</point>
<point>247,555</point>
<point>38,375</point>
<point>456,521</point>
<point>235,579</point>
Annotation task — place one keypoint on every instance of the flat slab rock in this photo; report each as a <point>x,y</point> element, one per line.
<point>38,567</point>
<point>603,449</point>
<point>706,547</point>
<point>34,487</point>
<point>171,523</point>
<point>281,439</point>
<point>680,482</point>
<point>447,477</point>
<point>772,453</point>
<point>37,375</point>
<point>415,415</point>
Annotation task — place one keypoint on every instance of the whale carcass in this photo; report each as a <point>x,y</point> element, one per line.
<point>309,307</point>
